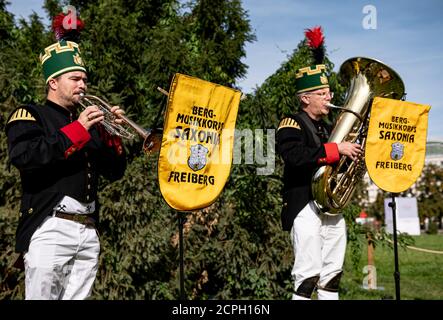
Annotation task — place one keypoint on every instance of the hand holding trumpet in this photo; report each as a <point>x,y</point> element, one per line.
<point>97,110</point>
<point>112,120</point>
<point>92,115</point>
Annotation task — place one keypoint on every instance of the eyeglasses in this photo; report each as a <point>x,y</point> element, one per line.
<point>322,95</point>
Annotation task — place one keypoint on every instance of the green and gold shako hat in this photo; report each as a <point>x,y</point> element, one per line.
<point>311,78</point>
<point>61,57</point>
<point>314,76</point>
<point>64,55</point>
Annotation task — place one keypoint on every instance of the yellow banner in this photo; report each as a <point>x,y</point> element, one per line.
<point>396,144</point>
<point>198,136</point>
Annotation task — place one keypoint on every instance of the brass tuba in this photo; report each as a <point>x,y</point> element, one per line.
<point>333,186</point>
<point>151,137</point>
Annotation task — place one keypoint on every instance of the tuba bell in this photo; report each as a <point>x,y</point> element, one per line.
<point>151,137</point>
<point>365,78</point>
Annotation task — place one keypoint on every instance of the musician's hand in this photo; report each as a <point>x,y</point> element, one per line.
<point>90,116</point>
<point>117,112</point>
<point>352,150</point>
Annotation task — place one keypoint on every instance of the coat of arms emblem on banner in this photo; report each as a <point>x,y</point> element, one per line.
<point>397,151</point>
<point>197,159</point>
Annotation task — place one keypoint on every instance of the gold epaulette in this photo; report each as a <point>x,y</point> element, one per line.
<point>21,114</point>
<point>288,123</point>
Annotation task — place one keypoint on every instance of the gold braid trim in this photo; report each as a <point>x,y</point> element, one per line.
<point>21,114</point>
<point>288,123</point>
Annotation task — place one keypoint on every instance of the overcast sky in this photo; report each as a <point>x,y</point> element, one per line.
<point>405,34</point>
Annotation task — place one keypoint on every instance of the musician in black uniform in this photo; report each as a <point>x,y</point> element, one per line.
<point>319,240</point>
<point>60,151</point>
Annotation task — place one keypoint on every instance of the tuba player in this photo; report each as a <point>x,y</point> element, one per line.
<point>319,241</point>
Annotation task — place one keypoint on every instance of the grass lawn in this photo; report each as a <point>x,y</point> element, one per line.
<point>421,273</point>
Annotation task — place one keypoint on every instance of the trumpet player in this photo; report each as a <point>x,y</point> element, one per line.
<point>319,241</point>
<point>60,151</point>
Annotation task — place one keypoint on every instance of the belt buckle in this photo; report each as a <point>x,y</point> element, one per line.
<point>88,221</point>
<point>80,218</point>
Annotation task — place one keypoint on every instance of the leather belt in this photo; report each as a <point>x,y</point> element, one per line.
<point>85,219</point>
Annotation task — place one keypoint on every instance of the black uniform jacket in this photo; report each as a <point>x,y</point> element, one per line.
<point>57,156</point>
<point>302,154</point>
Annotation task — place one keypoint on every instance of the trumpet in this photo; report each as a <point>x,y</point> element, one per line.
<point>151,137</point>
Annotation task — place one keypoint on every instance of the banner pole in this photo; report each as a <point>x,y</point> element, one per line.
<point>181,222</point>
<point>394,232</point>
<point>372,281</point>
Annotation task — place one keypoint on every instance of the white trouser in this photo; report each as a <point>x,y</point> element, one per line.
<point>62,261</point>
<point>319,243</point>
